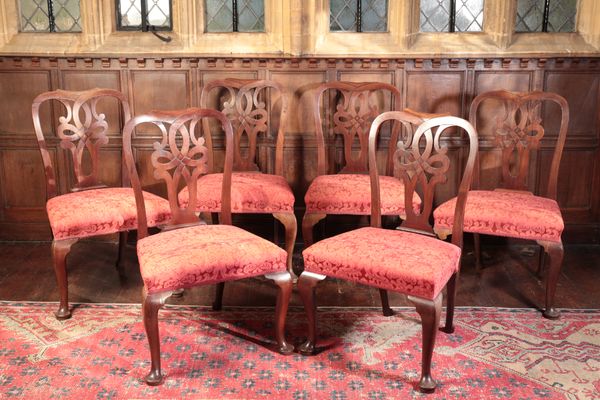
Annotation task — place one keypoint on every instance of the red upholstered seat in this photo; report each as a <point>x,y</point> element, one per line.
<point>251,192</point>
<point>505,213</point>
<point>205,254</point>
<point>396,260</point>
<point>351,194</point>
<point>101,211</point>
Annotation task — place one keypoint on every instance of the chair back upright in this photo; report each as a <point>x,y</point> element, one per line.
<point>356,105</point>
<point>82,128</point>
<point>254,107</point>
<point>421,161</point>
<point>179,159</point>
<point>515,126</point>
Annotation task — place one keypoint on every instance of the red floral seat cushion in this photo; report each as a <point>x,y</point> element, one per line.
<point>101,211</point>
<point>205,254</point>
<point>405,262</point>
<point>351,194</point>
<point>505,213</point>
<point>251,192</point>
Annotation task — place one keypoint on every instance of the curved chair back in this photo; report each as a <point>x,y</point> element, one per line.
<point>517,129</point>
<point>356,109</point>
<point>179,158</point>
<point>246,106</point>
<point>82,128</point>
<point>421,162</point>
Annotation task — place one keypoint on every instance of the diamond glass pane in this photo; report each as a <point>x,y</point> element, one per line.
<point>158,13</point>
<point>342,15</point>
<point>561,17</point>
<point>251,15</point>
<point>66,15</point>
<point>131,13</point>
<point>469,16</point>
<point>218,15</point>
<point>435,15</point>
<point>34,16</point>
<point>530,15</point>
<point>374,15</point>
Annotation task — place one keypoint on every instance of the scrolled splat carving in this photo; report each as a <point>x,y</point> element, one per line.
<point>245,106</point>
<point>81,128</point>
<point>423,169</point>
<point>180,157</point>
<point>352,119</point>
<point>172,162</point>
<point>421,162</point>
<point>519,130</point>
<point>354,113</point>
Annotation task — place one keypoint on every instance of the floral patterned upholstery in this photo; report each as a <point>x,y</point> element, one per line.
<point>351,194</point>
<point>251,192</point>
<point>205,254</point>
<point>505,213</point>
<point>405,262</point>
<point>101,211</point>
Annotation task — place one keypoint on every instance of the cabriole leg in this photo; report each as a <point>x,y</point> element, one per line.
<point>60,250</point>
<point>308,222</point>
<point>291,229</point>
<point>385,303</point>
<point>306,287</point>
<point>430,311</point>
<point>150,306</point>
<point>555,253</point>
<point>284,282</point>
<point>450,298</point>
<point>218,303</point>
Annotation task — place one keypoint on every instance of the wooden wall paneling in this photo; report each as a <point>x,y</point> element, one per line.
<point>159,90</point>
<point>23,202</point>
<point>18,89</point>
<point>435,92</point>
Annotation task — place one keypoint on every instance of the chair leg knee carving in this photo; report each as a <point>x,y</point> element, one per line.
<point>430,311</point>
<point>60,250</point>
<point>291,230</point>
<point>150,306</point>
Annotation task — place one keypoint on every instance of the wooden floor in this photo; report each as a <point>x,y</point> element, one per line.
<point>508,279</point>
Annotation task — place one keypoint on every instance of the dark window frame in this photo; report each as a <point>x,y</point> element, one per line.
<point>546,19</point>
<point>452,20</point>
<point>145,26</point>
<point>235,16</point>
<point>359,19</point>
<point>51,20</point>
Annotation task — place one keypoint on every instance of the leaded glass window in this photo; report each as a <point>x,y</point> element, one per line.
<point>546,15</point>
<point>358,15</point>
<point>144,15</point>
<point>50,16</point>
<point>234,15</point>
<point>451,15</point>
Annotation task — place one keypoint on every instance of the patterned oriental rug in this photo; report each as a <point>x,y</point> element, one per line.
<point>102,353</point>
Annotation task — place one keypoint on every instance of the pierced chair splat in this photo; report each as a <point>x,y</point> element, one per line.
<point>188,252</point>
<point>255,108</point>
<point>90,207</point>
<point>409,260</point>
<point>512,123</point>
